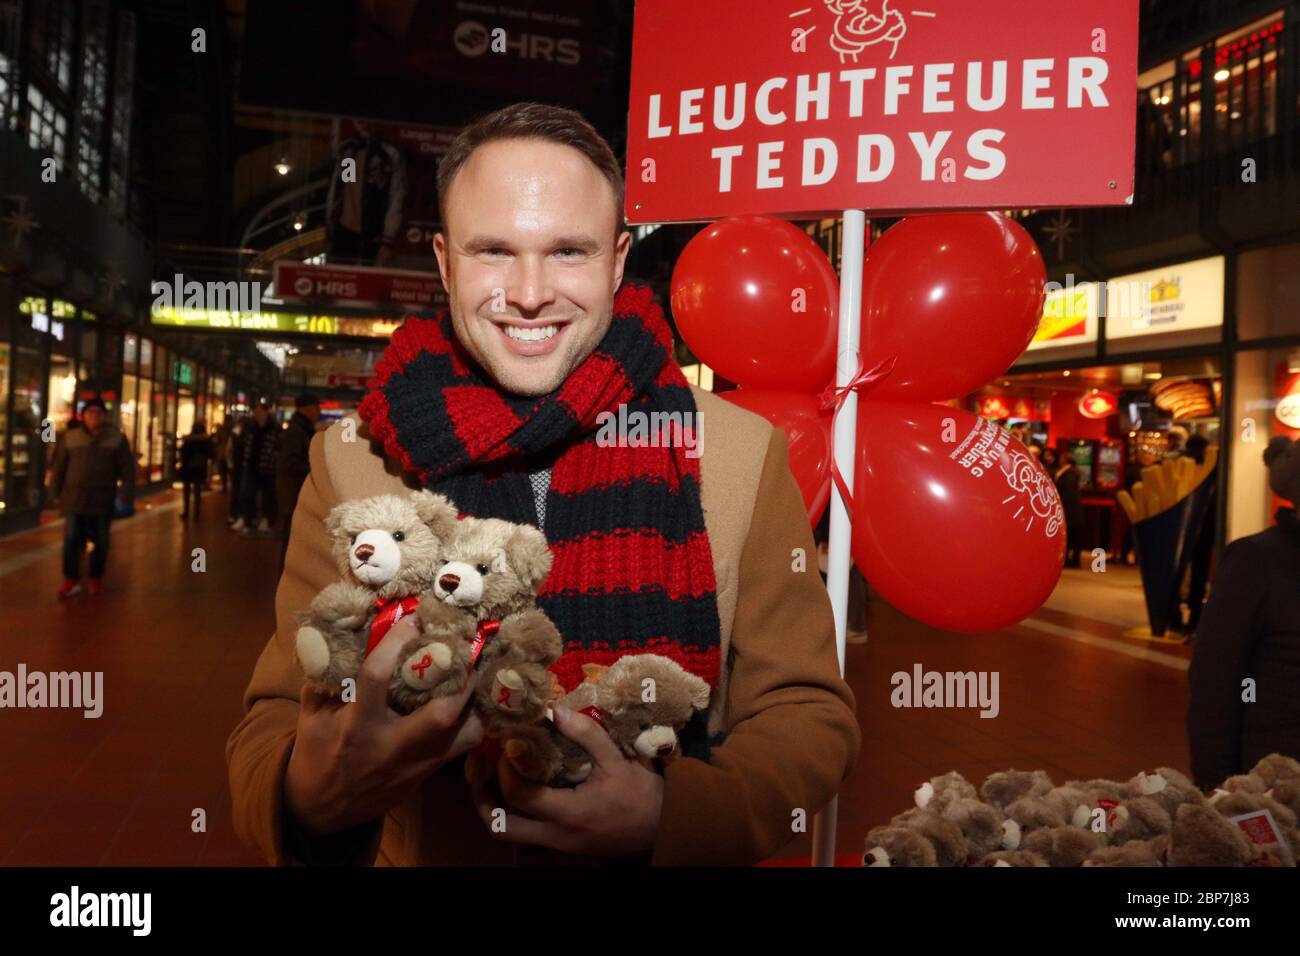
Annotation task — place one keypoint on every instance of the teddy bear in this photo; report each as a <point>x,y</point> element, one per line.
<point>387,547</point>
<point>1064,845</point>
<point>1012,858</point>
<point>1025,815</point>
<point>1235,804</point>
<point>946,838</point>
<point>487,582</point>
<point>1203,837</point>
<point>1137,818</point>
<point>981,825</point>
<point>937,792</point>
<point>1071,803</point>
<point>1276,768</point>
<point>898,846</point>
<point>1003,788</point>
<point>1133,853</point>
<point>642,700</point>
<point>1167,786</point>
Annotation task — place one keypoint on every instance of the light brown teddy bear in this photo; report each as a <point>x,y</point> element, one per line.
<point>642,700</point>
<point>488,580</point>
<point>1005,787</point>
<point>898,846</point>
<point>387,548</point>
<point>937,792</point>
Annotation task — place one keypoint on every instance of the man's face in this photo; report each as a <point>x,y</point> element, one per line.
<point>260,415</point>
<point>93,418</point>
<point>530,261</point>
<point>311,412</point>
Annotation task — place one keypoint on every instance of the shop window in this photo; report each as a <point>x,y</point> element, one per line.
<point>53,39</point>
<point>62,390</point>
<point>4,418</point>
<point>146,358</point>
<point>25,458</point>
<point>129,411</point>
<point>119,154</point>
<point>131,353</point>
<point>1266,404</point>
<point>93,107</point>
<point>10,13</point>
<point>1268,292</point>
<point>47,126</point>
<point>1246,83</point>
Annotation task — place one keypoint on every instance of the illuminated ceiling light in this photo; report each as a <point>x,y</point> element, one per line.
<point>1221,75</point>
<point>1066,373</point>
<point>297,224</point>
<point>1236,115</point>
<point>283,166</point>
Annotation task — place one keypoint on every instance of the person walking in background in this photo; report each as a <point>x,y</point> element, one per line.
<point>257,472</point>
<point>1066,475</point>
<point>220,441</point>
<point>195,453</point>
<point>1251,629</point>
<point>89,462</point>
<point>235,468</point>
<point>293,461</point>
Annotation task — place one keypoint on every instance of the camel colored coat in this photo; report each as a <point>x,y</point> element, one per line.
<point>791,734</point>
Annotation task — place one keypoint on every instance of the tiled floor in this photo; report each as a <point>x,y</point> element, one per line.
<point>176,648</point>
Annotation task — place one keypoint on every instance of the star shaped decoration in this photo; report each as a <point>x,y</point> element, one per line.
<point>1060,231</point>
<point>113,280</point>
<point>20,221</point>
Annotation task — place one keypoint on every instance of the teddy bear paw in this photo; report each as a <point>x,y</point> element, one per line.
<point>313,652</point>
<point>509,690</point>
<point>424,669</point>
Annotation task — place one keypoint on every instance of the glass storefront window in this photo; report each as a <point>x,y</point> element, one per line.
<point>146,358</point>
<point>62,390</point>
<point>1268,292</point>
<point>144,427</point>
<point>129,410</point>
<point>4,416</point>
<point>25,435</point>
<point>1267,404</point>
<point>130,353</point>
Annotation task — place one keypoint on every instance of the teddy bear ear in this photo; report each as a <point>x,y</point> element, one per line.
<point>700,695</point>
<point>436,511</point>
<point>530,555</point>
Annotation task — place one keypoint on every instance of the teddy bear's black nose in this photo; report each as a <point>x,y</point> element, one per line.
<point>364,552</point>
<point>448,582</point>
<point>665,749</point>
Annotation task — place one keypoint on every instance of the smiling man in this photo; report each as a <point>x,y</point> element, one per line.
<point>497,403</point>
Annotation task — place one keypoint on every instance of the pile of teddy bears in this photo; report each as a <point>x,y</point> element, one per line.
<point>471,584</point>
<point>1157,818</point>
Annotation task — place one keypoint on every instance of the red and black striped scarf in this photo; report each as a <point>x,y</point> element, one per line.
<point>633,570</point>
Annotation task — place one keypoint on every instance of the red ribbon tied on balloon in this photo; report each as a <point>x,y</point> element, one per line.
<point>832,400</point>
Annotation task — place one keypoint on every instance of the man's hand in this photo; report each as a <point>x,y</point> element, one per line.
<point>614,812</point>
<point>353,762</point>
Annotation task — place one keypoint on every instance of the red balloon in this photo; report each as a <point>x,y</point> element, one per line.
<point>734,302</point>
<point>957,298</point>
<point>955,524</point>
<point>808,431</point>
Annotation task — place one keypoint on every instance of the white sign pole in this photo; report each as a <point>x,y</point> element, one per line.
<point>852,248</point>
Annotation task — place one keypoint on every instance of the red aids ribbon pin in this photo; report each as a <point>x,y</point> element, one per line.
<point>482,633</point>
<point>390,612</point>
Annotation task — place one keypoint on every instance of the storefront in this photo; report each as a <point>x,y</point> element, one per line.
<point>1198,359</point>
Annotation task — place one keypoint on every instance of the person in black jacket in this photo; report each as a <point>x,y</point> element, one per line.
<point>257,481</point>
<point>1250,631</point>
<point>194,454</point>
<point>293,459</point>
<point>1066,475</point>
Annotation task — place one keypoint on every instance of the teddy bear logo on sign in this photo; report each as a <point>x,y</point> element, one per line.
<point>858,26</point>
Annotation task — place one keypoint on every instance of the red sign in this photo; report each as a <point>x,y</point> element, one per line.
<point>809,107</point>
<point>358,285</point>
<point>1098,405</point>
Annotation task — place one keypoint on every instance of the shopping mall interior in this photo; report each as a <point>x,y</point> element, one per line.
<point>177,255</point>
